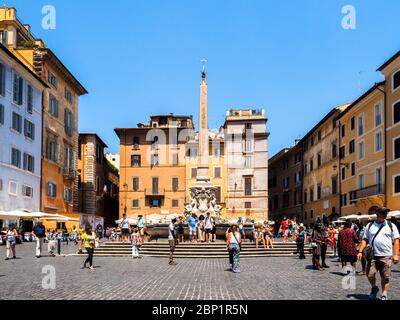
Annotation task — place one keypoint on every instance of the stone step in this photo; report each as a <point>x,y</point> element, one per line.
<point>220,256</point>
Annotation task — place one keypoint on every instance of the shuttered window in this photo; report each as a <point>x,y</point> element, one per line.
<point>218,195</point>
<point>248,186</point>
<point>2,80</point>
<point>1,114</point>
<point>29,129</point>
<point>135,183</point>
<point>17,122</point>
<point>18,89</point>
<point>29,103</point>
<point>175,184</point>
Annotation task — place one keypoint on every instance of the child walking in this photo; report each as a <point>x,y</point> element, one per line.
<point>136,242</point>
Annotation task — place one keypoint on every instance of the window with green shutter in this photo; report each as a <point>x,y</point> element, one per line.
<point>2,80</point>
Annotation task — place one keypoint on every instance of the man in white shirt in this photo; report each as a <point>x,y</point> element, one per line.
<point>172,241</point>
<point>383,237</point>
<point>208,225</point>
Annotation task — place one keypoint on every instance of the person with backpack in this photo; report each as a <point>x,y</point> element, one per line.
<point>381,244</point>
<point>39,233</point>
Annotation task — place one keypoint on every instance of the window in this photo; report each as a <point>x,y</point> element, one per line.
<point>67,195</point>
<point>353,123</point>
<point>247,186</point>
<point>13,188</point>
<point>135,203</point>
<point>16,157</point>
<point>276,202</point>
<point>18,89</point>
<point>27,191</point>
<point>135,183</point>
<point>396,112</point>
<point>378,141</point>
<point>379,180</point>
<point>378,115</point>
<point>136,143</point>
<point>193,173</point>
<point>361,151</point>
<point>175,184</point>
<point>352,146</point>
<point>53,106</point>
<point>248,162</point>
<point>99,153</point>
<point>154,160</point>
<point>68,158</point>
<point>305,196</point>
<point>175,203</point>
<point>154,144</point>
<point>319,135</point>
<point>343,200</point>
<point>29,103</point>
<point>311,165</point>
<point>343,131</point>
<point>248,126</point>
<point>285,183</point>
<point>334,185</point>
<point>342,152</point>
<point>68,96</point>
<point>311,194</point>
<point>1,114</point>
<point>51,190</point>
<point>319,192</point>
<point>2,79</point>
<point>360,125</point>
<point>17,122</point>
<point>68,121</point>
<point>29,163</point>
<point>305,169</point>
<point>4,37</point>
<point>396,148</point>
<point>396,184</point>
<point>52,150</point>
<point>343,173</point>
<point>312,141</point>
<point>98,185</point>
<point>353,197</point>
<point>52,79</point>
<point>217,151</point>
<point>218,195</point>
<point>249,145</point>
<point>319,160</point>
<point>247,205</point>
<point>334,151</point>
<point>154,185</point>
<point>135,160</point>
<point>175,158</point>
<point>217,172</point>
<point>396,80</point>
<point>353,169</point>
<point>361,181</point>
<point>29,129</point>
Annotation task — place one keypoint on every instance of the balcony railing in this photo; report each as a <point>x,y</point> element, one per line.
<point>69,174</point>
<point>369,191</point>
<point>155,192</point>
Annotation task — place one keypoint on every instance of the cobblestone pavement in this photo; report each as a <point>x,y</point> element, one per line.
<point>153,278</point>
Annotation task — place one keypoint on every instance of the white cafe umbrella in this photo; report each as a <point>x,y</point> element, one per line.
<point>130,221</point>
<point>351,217</point>
<point>17,214</point>
<point>57,217</point>
<point>394,214</point>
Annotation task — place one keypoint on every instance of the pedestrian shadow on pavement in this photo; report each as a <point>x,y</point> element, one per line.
<point>338,273</point>
<point>358,296</point>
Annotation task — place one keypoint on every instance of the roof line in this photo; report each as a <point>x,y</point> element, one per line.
<point>394,57</point>
<point>9,53</point>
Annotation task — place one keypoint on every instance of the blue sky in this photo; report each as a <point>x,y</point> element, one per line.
<point>138,58</point>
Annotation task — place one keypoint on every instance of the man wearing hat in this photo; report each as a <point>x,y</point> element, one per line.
<point>383,238</point>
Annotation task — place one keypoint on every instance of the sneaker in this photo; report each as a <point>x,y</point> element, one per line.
<point>7,259</point>
<point>374,292</point>
<point>91,268</point>
<point>14,257</point>
<point>172,263</point>
<point>384,297</point>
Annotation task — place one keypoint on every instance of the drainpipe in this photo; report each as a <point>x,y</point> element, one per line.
<point>384,137</point>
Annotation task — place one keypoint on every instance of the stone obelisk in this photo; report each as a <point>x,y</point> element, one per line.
<point>202,194</point>
<point>203,165</point>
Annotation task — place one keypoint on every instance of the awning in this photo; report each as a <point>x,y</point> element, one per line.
<point>57,217</point>
<point>16,215</point>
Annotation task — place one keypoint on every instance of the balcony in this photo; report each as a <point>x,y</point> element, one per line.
<point>159,192</point>
<point>69,174</point>
<point>371,191</point>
